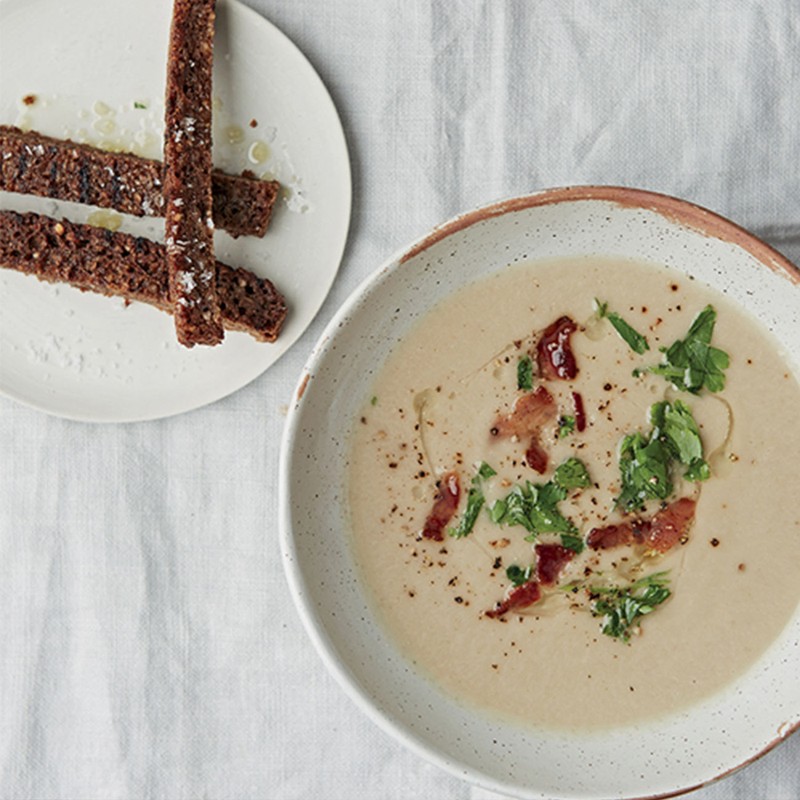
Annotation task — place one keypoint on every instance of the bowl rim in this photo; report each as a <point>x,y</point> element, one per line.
<point>682,212</point>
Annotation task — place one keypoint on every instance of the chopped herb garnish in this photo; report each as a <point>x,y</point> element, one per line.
<point>622,606</point>
<point>572,474</point>
<point>691,363</point>
<point>525,373</point>
<point>374,400</point>
<point>566,426</point>
<point>572,541</point>
<point>485,471</point>
<point>137,104</point>
<point>475,501</point>
<point>517,575</point>
<point>534,506</point>
<point>645,462</point>
<point>644,465</point>
<point>681,433</point>
<point>632,337</point>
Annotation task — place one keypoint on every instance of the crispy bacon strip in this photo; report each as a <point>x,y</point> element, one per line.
<point>670,525</point>
<point>448,492</point>
<point>519,597</point>
<point>554,355</point>
<point>580,413</point>
<point>531,413</point>
<point>550,560</point>
<point>662,532</point>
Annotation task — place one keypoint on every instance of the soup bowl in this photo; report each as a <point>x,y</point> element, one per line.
<point>675,753</point>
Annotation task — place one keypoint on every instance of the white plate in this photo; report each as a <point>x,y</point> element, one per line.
<point>88,357</point>
<point>673,754</point>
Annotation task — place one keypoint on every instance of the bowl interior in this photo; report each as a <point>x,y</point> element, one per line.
<point>664,756</point>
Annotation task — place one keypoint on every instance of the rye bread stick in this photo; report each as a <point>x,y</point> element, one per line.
<point>31,163</point>
<point>187,174</point>
<point>120,265</point>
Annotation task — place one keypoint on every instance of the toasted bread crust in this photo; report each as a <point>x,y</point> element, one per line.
<point>120,265</point>
<point>187,174</point>
<point>31,163</point>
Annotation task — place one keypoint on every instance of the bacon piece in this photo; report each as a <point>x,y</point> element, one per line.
<point>531,413</point>
<point>662,532</point>
<point>519,597</point>
<point>448,492</point>
<point>580,413</point>
<point>670,525</point>
<point>550,560</point>
<point>554,355</point>
<point>536,456</point>
<point>610,536</point>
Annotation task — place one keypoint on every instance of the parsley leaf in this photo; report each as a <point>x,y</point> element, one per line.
<point>517,575</point>
<point>525,373</point>
<point>475,501</point>
<point>691,363</point>
<point>622,606</point>
<point>572,541</point>
<point>534,506</point>
<point>644,465</point>
<point>631,336</point>
<point>572,474</point>
<point>682,435</point>
<point>645,462</point>
<point>566,426</point>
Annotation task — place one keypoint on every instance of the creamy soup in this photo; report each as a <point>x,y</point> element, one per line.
<point>581,597</point>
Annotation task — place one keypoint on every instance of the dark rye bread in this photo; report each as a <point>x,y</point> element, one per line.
<point>40,165</point>
<point>187,174</point>
<point>120,265</point>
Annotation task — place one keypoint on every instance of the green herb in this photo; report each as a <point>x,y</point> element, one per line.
<point>137,104</point>
<point>644,465</point>
<point>517,575</point>
<point>691,363</point>
<point>634,339</point>
<point>525,373</point>
<point>645,462</point>
<point>572,541</point>
<point>566,426</point>
<point>572,474</point>
<point>622,606</point>
<point>475,501</point>
<point>374,400</point>
<point>485,471</point>
<point>682,435</point>
<point>534,506</point>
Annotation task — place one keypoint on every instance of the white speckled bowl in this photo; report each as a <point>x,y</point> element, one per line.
<point>675,754</point>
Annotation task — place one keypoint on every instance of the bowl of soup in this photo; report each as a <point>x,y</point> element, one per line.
<point>538,492</point>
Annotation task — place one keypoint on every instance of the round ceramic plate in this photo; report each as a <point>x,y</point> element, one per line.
<point>96,72</point>
<point>681,751</point>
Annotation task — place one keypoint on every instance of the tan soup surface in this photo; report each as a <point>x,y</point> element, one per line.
<point>733,581</point>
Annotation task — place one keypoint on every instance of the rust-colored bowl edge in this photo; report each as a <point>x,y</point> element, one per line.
<point>674,209</point>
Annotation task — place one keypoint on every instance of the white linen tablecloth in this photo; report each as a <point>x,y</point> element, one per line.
<point>149,645</point>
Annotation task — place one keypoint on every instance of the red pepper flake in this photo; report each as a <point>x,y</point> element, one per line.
<point>448,492</point>
<point>519,597</point>
<point>550,560</point>
<point>580,413</point>
<point>29,99</point>
<point>554,355</point>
